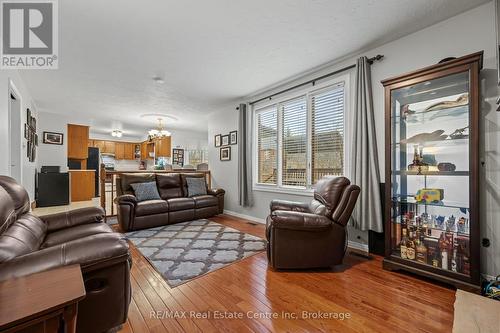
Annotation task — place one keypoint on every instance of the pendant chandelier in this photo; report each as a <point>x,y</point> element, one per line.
<point>158,132</point>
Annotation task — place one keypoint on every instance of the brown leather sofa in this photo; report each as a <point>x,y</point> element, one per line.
<point>175,205</point>
<point>312,235</point>
<point>30,244</point>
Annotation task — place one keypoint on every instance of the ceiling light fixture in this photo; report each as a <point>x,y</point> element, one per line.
<point>117,133</point>
<point>158,132</point>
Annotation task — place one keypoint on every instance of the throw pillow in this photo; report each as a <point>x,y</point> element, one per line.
<point>145,191</point>
<point>196,186</point>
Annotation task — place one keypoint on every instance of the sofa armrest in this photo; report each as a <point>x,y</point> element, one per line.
<point>289,206</point>
<point>90,253</point>
<point>281,219</point>
<point>216,191</point>
<point>125,199</point>
<point>73,218</point>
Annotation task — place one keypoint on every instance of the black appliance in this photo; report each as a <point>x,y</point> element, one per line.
<point>93,163</point>
<point>52,187</point>
<point>50,168</point>
<point>74,164</point>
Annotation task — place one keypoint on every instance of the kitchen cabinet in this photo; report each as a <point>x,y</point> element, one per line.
<point>163,147</point>
<point>119,151</point>
<point>129,151</point>
<point>109,147</point>
<point>78,137</point>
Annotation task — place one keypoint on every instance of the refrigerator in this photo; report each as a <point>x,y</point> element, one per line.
<point>93,163</point>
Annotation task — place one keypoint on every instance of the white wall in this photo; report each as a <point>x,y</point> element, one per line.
<point>52,154</point>
<point>463,34</point>
<point>28,168</point>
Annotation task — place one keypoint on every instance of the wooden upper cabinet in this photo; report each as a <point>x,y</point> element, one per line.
<point>119,150</point>
<point>129,153</point>
<point>163,147</point>
<point>78,140</point>
<point>109,147</point>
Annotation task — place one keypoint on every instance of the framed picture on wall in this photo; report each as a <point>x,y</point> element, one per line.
<point>225,140</point>
<point>225,154</point>
<point>233,137</point>
<point>52,138</point>
<point>218,140</point>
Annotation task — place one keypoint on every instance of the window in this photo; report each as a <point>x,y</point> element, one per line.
<point>300,139</point>
<point>267,145</point>
<point>294,142</point>
<point>327,152</point>
<point>197,156</point>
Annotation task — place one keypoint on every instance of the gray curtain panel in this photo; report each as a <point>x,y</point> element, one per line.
<point>244,160</point>
<point>364,167</point>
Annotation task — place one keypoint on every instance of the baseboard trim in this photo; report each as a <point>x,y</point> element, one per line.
<point>244,216</point>
<point>358,246</point>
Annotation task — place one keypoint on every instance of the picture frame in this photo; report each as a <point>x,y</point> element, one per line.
<point>225,140</point>
<point>53,138</point>
<point>233,137</point>
<point>26,131</point>
<point>218,140</point>
<point>225,154</point>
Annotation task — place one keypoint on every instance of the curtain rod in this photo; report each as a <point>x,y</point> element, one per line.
<point>313,81</point>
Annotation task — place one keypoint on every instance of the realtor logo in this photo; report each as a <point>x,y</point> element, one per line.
<point>29,34</point>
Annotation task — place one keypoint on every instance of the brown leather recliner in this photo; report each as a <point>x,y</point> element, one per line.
<point>30,244</point>
<point>175,204</point>
<point>311,235</point>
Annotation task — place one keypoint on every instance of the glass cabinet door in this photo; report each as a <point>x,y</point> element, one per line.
<point>430,173</point>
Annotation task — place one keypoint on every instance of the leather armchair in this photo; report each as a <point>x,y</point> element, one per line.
<point>30,244</point>
<point>311,235</point>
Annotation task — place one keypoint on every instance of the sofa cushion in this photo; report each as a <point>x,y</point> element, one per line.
<point>201,201</point>
<point>196,186</point>
<point>77,232</point>
<point>130,178</point>
<point>184,177</point>
<point>145,191</point>
<point>22,237</point>
<point>180,204</point>
<point>151,207</point>
<point>169,185</point>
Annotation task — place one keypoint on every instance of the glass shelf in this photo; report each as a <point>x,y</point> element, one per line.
<point>442,203</point>
<point>422,117</point>
<point>431,173</point>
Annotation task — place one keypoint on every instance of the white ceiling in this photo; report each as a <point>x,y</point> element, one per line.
<point>209,53</point>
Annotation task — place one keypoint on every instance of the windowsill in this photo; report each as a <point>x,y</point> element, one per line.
<point>284,190</point>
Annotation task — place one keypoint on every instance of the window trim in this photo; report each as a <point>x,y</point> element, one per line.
<point>308,93</point>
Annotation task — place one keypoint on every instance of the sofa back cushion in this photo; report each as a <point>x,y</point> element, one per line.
<point>126,179</point>
<point>22,237</point>
<point>17,194</point>
<point>145,191</point>
<point>169,185</point>
<point>184,176</point>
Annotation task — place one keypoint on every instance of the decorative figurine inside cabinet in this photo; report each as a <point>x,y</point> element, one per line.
<point>432,176</point>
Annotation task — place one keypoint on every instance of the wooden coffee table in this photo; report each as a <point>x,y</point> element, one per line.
<point>42,302</point>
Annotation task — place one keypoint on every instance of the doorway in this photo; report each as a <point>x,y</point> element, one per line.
<point>15,149</point>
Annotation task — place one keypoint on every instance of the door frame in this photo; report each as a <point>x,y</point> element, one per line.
<point>12,89</point>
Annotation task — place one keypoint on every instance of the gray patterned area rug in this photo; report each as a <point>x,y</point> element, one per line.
<point>184,251</point>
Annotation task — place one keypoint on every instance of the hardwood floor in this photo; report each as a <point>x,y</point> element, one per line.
<point>375,300</point>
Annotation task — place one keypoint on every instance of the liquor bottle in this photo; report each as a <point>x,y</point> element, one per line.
<point>435,259</point>
<point>410,246</point>
<point>454,260</point>
<point>403,243</point>
<point>421,251</point>
<point>443,247</point>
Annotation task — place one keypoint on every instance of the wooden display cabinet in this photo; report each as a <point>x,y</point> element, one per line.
<point>432,172</point>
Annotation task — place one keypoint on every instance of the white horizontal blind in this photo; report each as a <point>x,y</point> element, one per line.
<point>294,142</point>
<point>267,145</point>
<point>327,151</point>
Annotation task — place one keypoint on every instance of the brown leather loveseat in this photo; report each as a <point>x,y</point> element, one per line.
<point>175,204</point>
<point>311,235</point>
<point>30,244</point>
